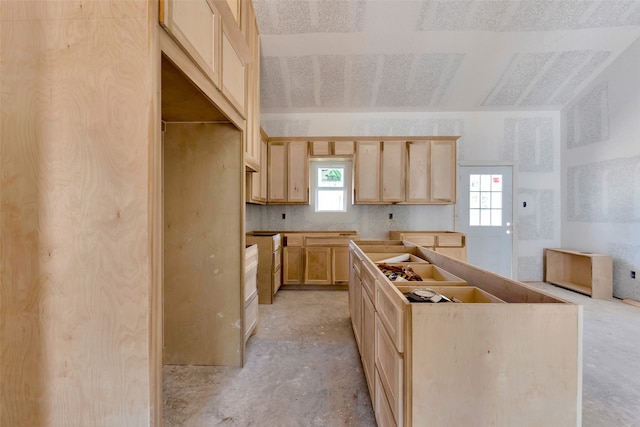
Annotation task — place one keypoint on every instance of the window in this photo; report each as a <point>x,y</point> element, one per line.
<point>485,203</point>
<point>331,181</point>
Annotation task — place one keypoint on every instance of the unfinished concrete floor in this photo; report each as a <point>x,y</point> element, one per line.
<point>303,369</point>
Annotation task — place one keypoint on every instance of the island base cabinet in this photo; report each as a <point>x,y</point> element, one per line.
<point>511,359</point>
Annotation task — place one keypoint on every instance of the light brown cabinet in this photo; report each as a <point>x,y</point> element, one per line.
<point>257,181</point>
<point>392,165</point>
<point>269,264</point>
<point>417,171</point>
<point>420,356</point>
<point>329,148</point>
<point>316,258</point>
<point>288,172</point>
<point>450,243</point>
<point>367,172</point>
<point>585,272</point>
<point>252,136</point>
<point>250,290</point>
<point>442,172</point>
<point>317,266</point>
<point>292,265</point>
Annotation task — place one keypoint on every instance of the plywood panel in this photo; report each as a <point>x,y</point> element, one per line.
<point>204,250</point>
<point>74,144</point>
<point>511,364</point>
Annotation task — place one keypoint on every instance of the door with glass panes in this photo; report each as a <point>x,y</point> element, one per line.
<point>485,215</point>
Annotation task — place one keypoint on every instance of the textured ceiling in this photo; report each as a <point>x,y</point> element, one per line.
<point>447,55</point>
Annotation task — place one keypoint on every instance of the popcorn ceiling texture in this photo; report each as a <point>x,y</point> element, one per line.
<point>454,55</point>
<point>524,15</point>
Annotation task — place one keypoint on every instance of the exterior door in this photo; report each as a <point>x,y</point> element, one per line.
<point>486,216</point>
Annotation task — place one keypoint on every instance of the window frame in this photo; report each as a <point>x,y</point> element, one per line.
<point>317,164</point>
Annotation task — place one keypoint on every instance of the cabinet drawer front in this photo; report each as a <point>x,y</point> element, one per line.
<point>328,240</point>
<point>250,281</point>
<point>452,241</point>
<point>251,256</point>
<point>250,316</point>
<point>294,239</point>
<point>275,242</point>
<point>277,260</point>
<point>369,280</point>
<point>384,416</point>
<point>390,368</point>
<point>390,308</point>
<point>277,280</point>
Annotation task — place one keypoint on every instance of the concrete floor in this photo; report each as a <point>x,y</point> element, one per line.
<point>303,369</point>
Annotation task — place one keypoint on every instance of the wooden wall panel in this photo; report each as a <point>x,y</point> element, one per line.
<point>204,244</point>
<point>74,145</point>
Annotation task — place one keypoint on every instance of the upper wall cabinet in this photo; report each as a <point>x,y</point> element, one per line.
<point>327,148</point>
<point>209,33</point>
<point>196,25</point>
<point>421,171</point>
<point>252,135</point>
<point>288,172</point>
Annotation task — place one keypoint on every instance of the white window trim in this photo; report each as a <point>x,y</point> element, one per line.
<point>346,165</point>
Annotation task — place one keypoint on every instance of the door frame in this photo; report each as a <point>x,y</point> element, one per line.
<point>514,186</point>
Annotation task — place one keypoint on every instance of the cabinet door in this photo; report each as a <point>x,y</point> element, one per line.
<point>340,265</point>
<point>317,266</point>
<point>292,265</point>
<point>197,27</point>
<point>257,181</point>
<point>393,171</point>
<point>321,148</point>
<point>442,164</point>
<point>343,148</point>
<point>277,174</point>
<point>367,172</point>
<point>417,172</point>
<point>233,74</point>
<point>298,173</point>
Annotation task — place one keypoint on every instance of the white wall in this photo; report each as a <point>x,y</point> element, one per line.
<point>601,170</point>
<point>529,140</point>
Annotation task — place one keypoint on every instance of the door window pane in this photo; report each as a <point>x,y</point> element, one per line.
<point>485,200</point>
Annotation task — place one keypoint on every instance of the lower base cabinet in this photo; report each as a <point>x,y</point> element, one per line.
<point>506,355</point>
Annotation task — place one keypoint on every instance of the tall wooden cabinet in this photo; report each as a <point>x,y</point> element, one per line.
<point>92,86</point>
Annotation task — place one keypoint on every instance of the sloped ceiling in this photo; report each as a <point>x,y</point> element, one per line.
<point>446,55</point>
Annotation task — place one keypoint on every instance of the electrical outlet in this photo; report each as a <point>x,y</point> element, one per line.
<point>284,216</point>
<point>390,216</point>
<point>633,274</point>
